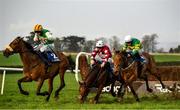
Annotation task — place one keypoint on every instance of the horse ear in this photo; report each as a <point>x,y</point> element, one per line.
<point>18,37</point>
<point>117,52</point>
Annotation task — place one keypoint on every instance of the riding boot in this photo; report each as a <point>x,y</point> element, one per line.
<point>137,57</point>
<point>43,58</point>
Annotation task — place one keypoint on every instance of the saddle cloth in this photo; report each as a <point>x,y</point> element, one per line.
<point>52,57</point>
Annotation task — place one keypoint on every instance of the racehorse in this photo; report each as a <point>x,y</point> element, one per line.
<point>95,77</point>
<point>125,73</point>
<point>34,68</point>
<point>121,61</point>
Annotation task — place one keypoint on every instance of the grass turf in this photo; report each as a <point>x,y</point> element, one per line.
<point>12,99</point>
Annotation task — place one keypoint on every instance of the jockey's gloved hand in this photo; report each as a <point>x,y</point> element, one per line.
<point>128,51</point>
<point>102,65</point>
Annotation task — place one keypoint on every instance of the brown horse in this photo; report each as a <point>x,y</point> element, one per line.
<point>125,74</point>
<point>97,77</point>
<point>83,66</point>
<point>121,61</point>
<point>147,69</point>
<point>34,68</point>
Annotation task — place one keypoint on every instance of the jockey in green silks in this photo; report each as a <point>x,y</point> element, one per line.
<point>43,42</point>
<point>133,47</point>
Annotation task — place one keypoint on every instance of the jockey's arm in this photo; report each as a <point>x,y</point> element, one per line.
<point>107,55</point>
<point>94,53</point>
<point>136,49</point>
<point>49,36</point>
<point>36,38</point>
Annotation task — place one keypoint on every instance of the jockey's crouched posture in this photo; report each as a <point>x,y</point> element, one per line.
<point>101,53</point>
<point>43,43</point>
<point>133,47</point>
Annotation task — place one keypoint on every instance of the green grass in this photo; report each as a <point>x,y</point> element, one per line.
<point>12,99</point>
<point>15,60</point>
<point>167,57</point>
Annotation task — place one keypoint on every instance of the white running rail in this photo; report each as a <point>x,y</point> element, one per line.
<point>77,63</point>
<point>4,74</point>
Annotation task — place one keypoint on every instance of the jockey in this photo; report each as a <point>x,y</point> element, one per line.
<point>101,53</point>
<point>43,42</point>
<point>133,47</point>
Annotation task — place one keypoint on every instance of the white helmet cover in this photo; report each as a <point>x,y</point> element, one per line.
<point>99,43</point>
<point>128,38</point>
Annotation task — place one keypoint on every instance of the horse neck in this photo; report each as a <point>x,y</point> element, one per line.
<point>84,68</point>
<point>92,75</point>
<point>28,58</point>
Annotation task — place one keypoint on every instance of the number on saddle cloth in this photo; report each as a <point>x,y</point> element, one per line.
<point>52,57</point>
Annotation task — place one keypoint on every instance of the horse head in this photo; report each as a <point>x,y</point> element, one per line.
<point>83,90</point>
<point>119,61</point>
<point>18,45</point>
<point>14,47</point>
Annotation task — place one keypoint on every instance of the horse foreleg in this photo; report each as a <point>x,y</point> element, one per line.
<point>112,89</point>
<point>50,83</point>
<point>145,78</point>
<point>62,72</point>
<point>24,79</point>
<point>134,93</point>
<point>40,83</point>
<point>96,98</point>
<point>159,78</point>
<point>121,92</point>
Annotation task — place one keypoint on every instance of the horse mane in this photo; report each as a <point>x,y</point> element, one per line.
<point>92,75</point>
<point>28,46</point>
<point>123,54</point>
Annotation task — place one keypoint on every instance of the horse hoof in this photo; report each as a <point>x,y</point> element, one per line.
<point>56,97</point>
<point>149,90</point>
<point>81,101</point>
<point>47,99</point>
<point>137,100</point>
<point>113,94</point>
<point>120,99</point>
<point>25,92</point>
<point>45,93</point>
<point>93,101</point>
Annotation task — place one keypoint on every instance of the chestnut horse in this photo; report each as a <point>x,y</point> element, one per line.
<point>34,68</point>
<point>84,67</point>
<point>142,71</point>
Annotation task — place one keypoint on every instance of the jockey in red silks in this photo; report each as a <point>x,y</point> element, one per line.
<point>101,53</point>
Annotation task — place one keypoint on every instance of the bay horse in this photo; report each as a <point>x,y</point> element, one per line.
<point>125,73</point>
<point>121,61</point>
<point>34,68</point>
<point>95,77</point>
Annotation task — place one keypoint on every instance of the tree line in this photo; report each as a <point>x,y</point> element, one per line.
<point>175,50</point>
<point>75,43</point>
